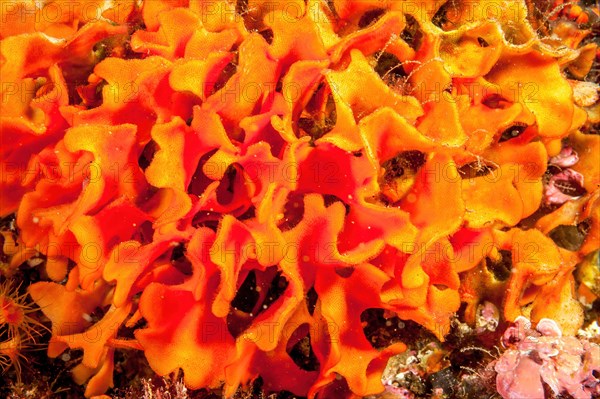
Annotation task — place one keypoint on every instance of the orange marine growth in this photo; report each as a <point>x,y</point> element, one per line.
<point>15,314</point>
<point>17,328</point>
<point>229,187</point>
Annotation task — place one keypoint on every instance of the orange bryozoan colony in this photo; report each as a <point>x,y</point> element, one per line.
<point>213,182</point>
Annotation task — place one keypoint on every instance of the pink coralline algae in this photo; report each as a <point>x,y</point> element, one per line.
<point>566,364</point>
<point>566,158</point>
<point>563,187</point>
<point>565,183</point>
